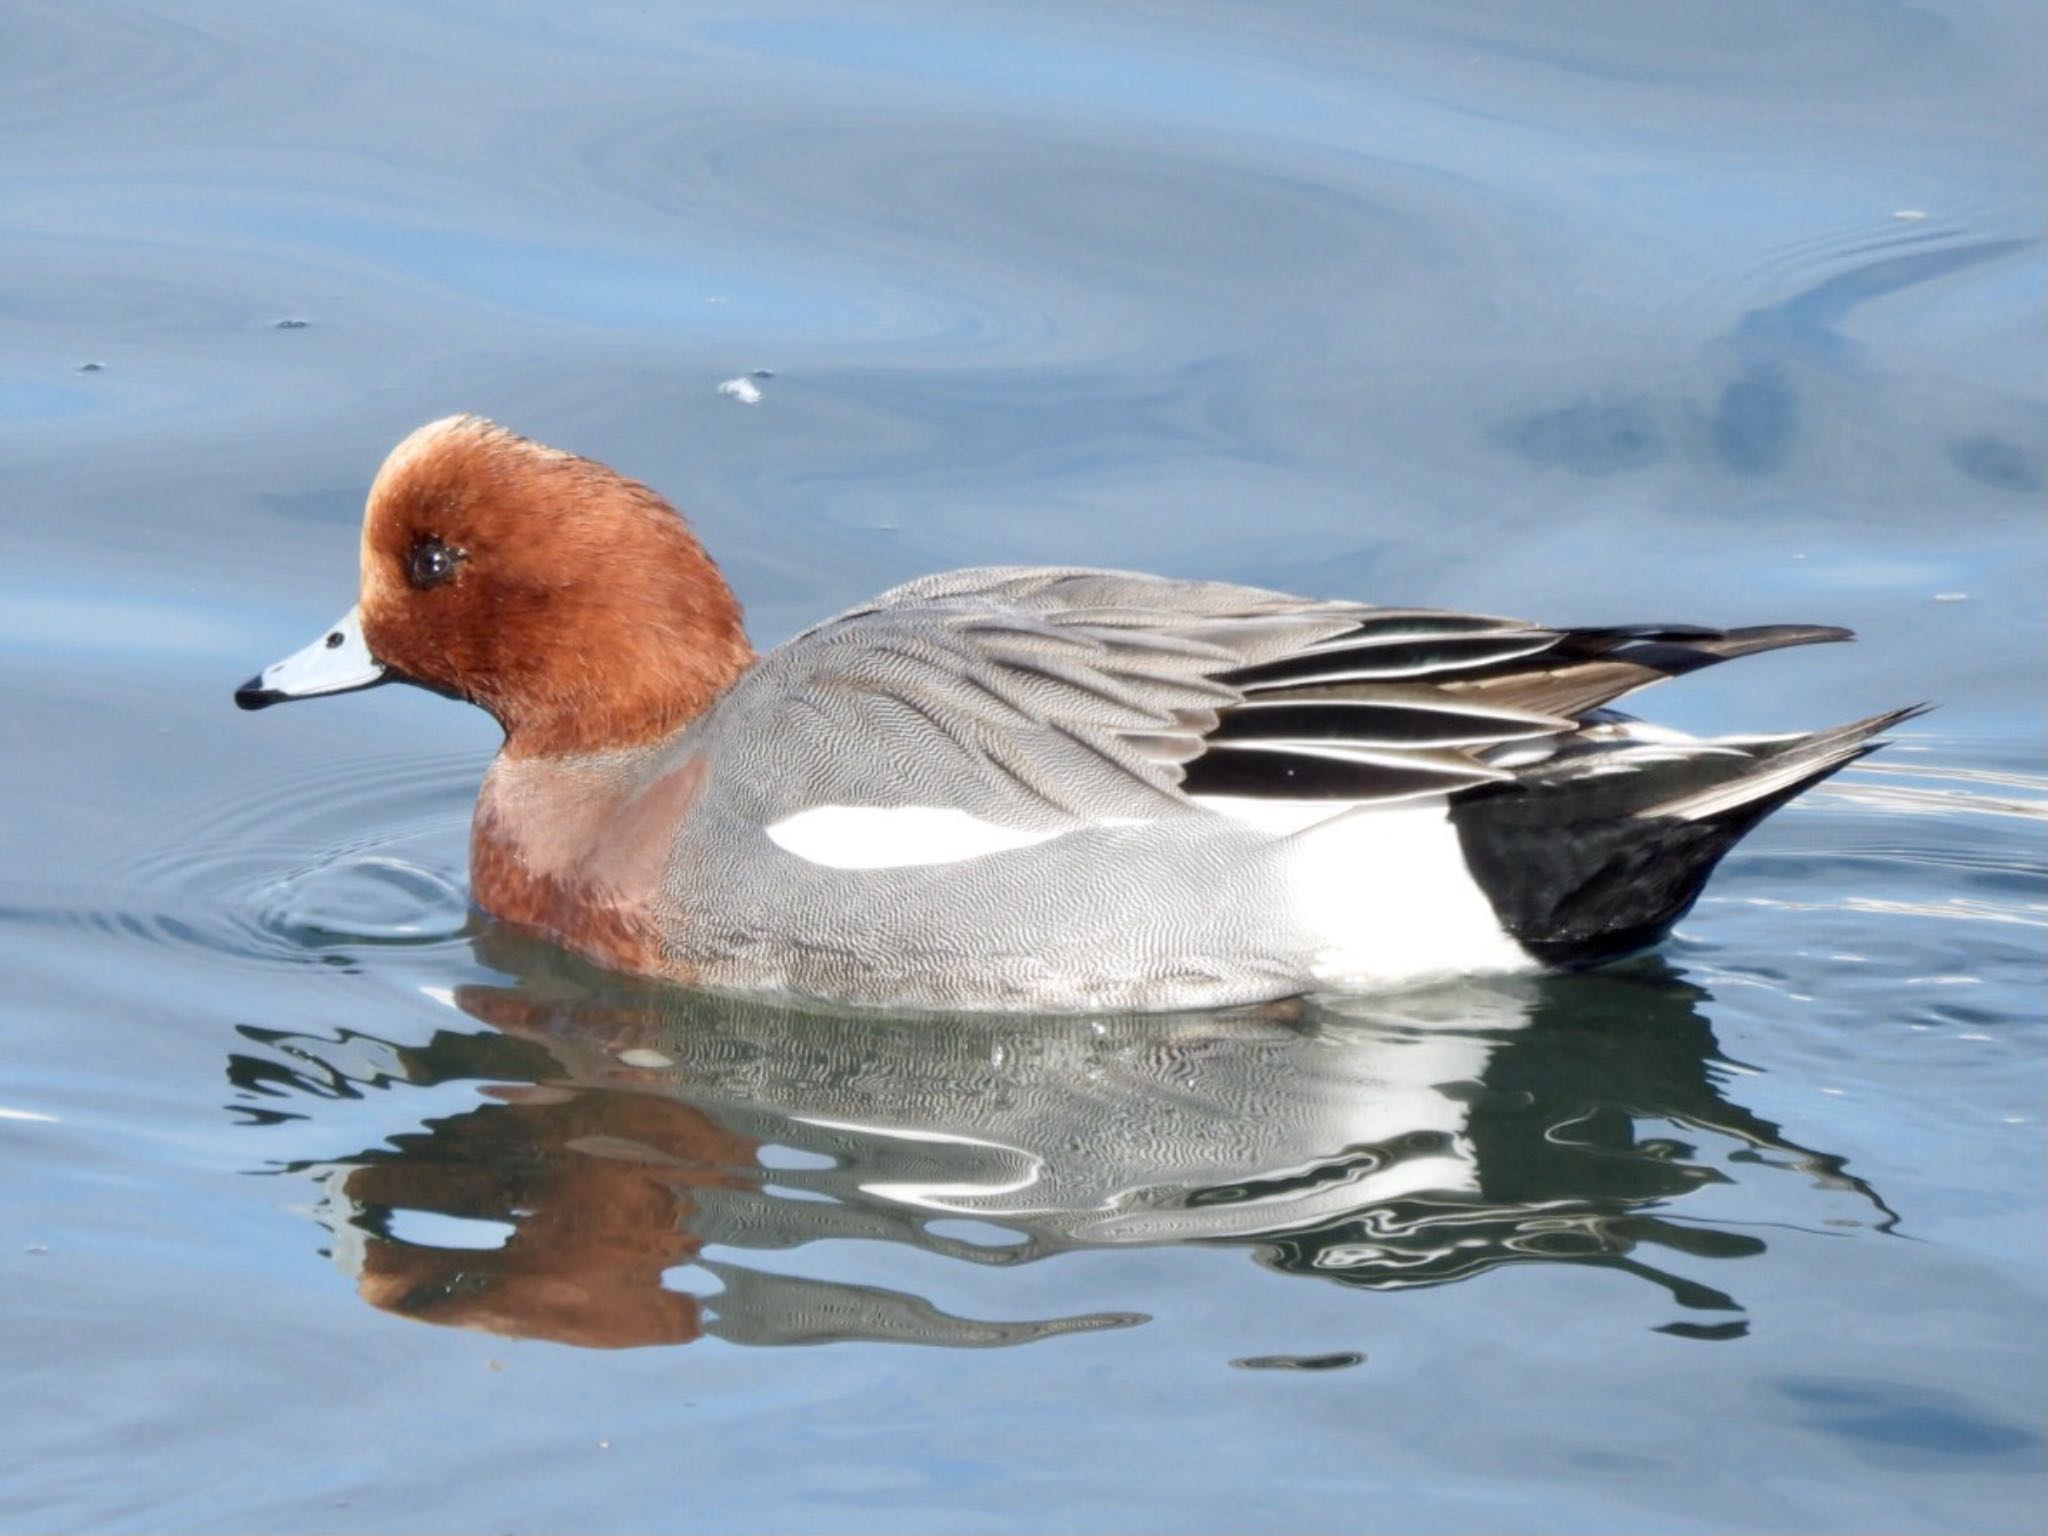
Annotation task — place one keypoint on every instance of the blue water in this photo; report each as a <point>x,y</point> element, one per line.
<point>324,1206</point>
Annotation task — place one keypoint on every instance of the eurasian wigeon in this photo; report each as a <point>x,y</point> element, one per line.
<point>1021,787</point>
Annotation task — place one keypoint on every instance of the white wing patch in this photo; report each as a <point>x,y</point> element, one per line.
<point>894,837</point>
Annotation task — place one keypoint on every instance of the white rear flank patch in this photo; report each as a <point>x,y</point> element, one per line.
<point>1384,890</point>
<point>893,837</point>
<point>1386,895</point>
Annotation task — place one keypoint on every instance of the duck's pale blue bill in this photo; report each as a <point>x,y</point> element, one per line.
<point>338,662</point>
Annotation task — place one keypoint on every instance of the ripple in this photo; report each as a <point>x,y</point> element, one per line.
<point>2014,794</point>
<point>373,898</point>
<point>304,866</point>
<point>1958,908</point>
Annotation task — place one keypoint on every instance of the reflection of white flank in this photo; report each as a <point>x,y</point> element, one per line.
<point>1343,1133</point>
<point>1121,1149</point>
<point>938,1197</point>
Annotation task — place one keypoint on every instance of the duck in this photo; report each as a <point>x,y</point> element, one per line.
<point>1029,788</point>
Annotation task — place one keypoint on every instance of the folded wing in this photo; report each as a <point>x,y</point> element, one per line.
<point>1056,697</point>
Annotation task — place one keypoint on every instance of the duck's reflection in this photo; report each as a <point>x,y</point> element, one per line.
<point>626,1129</point>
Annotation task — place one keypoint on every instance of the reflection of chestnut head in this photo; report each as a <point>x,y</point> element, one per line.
<point>597,1190</point>
<point>600,1308</point>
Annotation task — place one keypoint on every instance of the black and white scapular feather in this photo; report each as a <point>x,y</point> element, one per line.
<point>1590,832</point>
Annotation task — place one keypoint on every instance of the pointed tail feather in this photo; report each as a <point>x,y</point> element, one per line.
<point>1587,668</point>
<point>1782,769</point>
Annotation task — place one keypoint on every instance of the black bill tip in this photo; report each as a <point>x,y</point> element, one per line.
<point>253,695</point>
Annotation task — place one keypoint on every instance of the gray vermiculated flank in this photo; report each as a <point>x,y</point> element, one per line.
<point>1092,704</point>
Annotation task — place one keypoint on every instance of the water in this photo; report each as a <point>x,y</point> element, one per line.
<point>327,1207</point>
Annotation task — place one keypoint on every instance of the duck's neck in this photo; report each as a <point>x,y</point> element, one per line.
<point>627,677</point>
<point>576,849</point>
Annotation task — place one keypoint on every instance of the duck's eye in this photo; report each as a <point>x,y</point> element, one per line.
<point>430,563</point>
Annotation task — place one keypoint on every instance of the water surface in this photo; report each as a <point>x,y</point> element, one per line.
<point>331,1207</point>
